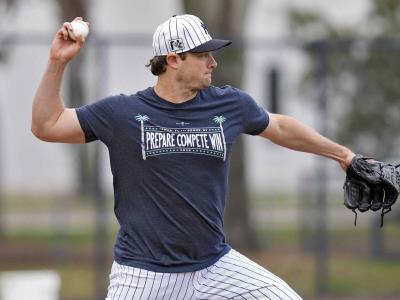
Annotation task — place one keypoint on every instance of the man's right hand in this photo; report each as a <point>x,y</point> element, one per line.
<point>63,48</point>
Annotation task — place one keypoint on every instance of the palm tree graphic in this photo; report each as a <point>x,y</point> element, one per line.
<point>141,119</point>
<point>219,120</point>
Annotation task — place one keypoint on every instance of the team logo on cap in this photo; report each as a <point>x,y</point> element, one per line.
<point>176,44</point>
<point>204,27</point>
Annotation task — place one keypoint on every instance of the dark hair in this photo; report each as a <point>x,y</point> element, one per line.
<point>158,64</point>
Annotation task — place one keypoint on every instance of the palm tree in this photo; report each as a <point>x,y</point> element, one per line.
<point>141,119</point>
<point>219,120</point>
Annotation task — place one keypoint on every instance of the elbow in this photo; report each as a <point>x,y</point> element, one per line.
<point>36,132</point>
<point>39,133</point>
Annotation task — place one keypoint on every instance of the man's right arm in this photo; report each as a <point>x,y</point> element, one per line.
<point>51,120</point>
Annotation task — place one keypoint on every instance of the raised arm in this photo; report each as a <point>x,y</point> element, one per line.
<point>51,120</point>
<point>290,133</point>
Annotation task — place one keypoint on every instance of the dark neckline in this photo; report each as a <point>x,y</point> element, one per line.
<point>169,103</point>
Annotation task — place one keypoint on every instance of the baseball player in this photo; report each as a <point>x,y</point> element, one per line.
<point>169,148</point>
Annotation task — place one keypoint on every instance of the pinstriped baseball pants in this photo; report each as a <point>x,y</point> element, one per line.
<point>233,276</point>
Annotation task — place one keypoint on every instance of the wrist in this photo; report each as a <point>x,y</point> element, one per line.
<point>346,158</point>
<point>56,64</point>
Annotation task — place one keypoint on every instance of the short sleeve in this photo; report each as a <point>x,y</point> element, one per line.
<point>255,118</point>
<point>96,120</point>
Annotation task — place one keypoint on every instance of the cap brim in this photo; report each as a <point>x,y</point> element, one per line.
<point>211,45</point>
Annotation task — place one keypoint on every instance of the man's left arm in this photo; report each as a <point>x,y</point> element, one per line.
<point>290,133</point>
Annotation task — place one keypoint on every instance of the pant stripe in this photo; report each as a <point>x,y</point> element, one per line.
<point>192,295</point>
<point>120,286</point>
<point>117,276</point>
<point>165,291</point>
<point>225,275</point>
<point>187,287</point>
<point>248,261</point>
<point>226,282</point>
<point>274,280</point>
<point>258,267</point>
<point>232,277</point>
<point>218,288</point>
<point>152,283</point>
<point>254,272</point>
<point>204,292</point>
<point>144,286</point>
<point>243,274</point>
<point>180,287</point>
<point>127,289</point>
<point>162,277</point>
<point>255,294</point>
<point>258,297</point>
<point>173,288</point>
<point>260,291</point>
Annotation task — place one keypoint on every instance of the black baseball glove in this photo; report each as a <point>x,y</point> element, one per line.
<point>371,184</point>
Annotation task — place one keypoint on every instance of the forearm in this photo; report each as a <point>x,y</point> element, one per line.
<point>47,103</point>
<point>292,134</point>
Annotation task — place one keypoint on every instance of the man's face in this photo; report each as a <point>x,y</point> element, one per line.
<point>196,69</point>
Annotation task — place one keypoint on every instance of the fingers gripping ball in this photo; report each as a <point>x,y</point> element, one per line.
<point>79,28</point>
<point>371,185</point>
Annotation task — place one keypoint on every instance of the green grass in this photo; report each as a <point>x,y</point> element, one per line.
<point>77,281</point>
<point>364,277</point>
<point>348,276</point>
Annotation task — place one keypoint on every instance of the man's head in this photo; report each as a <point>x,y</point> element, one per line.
<point>179,37</point>
<point>184,33</point>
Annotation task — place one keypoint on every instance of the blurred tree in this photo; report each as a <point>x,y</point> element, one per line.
<point>362,70</point>
<point>68,10</point>
<point>363,73</point>
<point>226,18</point>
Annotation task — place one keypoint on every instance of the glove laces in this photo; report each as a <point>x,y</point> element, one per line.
<point>355,218</point>
<point>383,213</point>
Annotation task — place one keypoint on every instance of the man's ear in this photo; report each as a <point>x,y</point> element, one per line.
<point>173,60</point>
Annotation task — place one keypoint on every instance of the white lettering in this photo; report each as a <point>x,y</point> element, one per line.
<point>204,141</point>
<point>216,142</point>
<point>179,140</point>
<point>147,140</point>
<point>152,145</point>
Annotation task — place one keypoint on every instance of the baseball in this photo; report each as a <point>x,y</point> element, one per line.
<point>79,28</point>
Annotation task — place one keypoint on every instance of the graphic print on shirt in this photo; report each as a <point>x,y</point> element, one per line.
<point>141,119</point>
<point>159,140</point>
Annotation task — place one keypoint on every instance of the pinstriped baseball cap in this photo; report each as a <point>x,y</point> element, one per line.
<point>184,33</point>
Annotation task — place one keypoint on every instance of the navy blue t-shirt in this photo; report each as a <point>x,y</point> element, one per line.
<point>170,172</point>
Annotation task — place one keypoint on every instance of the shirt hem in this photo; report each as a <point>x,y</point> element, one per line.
<point>174,269</point>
